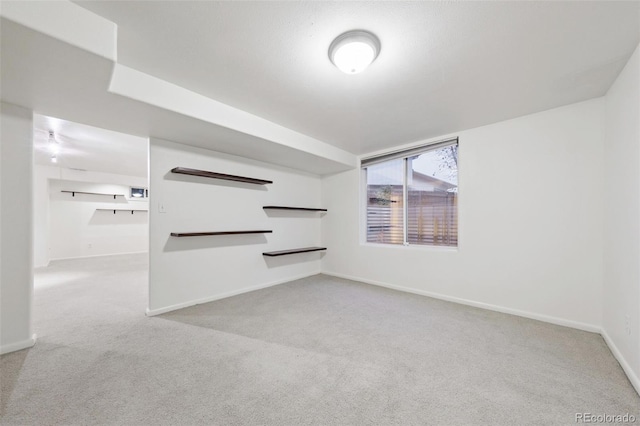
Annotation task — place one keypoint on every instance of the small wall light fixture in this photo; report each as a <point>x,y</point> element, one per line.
<point>353,51</point>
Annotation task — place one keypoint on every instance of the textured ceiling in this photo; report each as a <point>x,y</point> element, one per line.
<point>444,66</point>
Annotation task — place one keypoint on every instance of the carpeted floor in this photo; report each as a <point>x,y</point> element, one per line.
<point>317,351</point>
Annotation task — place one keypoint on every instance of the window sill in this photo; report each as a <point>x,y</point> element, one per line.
<point>412,247</point>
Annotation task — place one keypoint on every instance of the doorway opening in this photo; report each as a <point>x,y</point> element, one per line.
<point>91,227</point>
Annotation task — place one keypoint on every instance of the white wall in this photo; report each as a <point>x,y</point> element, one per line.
<point>41,254</point>
<point>16,256</point>
<point>530,215</point>
<point>621,319</point>
<point>184,271</point>
<point>71,227</point>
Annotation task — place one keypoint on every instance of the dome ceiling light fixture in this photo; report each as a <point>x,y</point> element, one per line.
<point>353,51</point>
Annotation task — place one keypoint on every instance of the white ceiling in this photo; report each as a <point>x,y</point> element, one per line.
<point>89,148</point>
<point>443,67</point>
<point>58,60</point>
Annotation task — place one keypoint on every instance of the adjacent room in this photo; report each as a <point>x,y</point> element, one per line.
<point>91,228</point>
<point>322,213</point>
<point>90,191</point>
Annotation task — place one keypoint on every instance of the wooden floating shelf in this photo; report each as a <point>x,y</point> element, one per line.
<point>308,209</point>
<point>204,173</point>
<point>123,210</point>
<point>202,234</point>
<point>293,251</point>
<point>73,193</point>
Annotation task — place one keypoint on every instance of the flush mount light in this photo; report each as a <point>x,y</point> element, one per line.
<point>353,51</point>
<point>54,145</point>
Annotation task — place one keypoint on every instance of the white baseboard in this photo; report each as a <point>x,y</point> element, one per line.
<point>158,311</point>
<point>633,378</point>
<point>97,255</point>
<point>18,346</point>
<point>539,317</point>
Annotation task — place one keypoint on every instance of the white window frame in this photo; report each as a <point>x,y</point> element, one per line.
<point>404,154</point>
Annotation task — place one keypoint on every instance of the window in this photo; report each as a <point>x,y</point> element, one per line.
<point>139,193</point>
<point>412,196</point>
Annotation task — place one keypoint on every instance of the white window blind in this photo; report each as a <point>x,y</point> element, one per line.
<point>365,162</point>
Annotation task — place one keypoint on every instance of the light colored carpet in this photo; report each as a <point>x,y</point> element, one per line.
<point>317,351</point>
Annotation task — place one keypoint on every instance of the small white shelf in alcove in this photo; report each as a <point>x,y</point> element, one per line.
<point>73,193</point>
<point>122,210</point>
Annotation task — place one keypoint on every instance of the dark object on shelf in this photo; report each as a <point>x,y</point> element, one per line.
<point>202,234</point>
<point>292,251</point>
<point>123,210</point>
<point>204,173</point>
<point>73,193</point>
<point>309,209</point>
